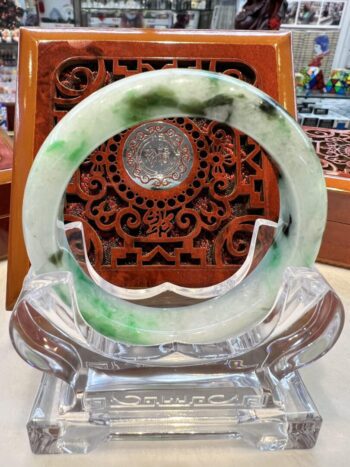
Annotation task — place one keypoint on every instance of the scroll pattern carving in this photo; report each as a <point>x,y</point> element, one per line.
<point>139,236</point>
<point>333,149</point>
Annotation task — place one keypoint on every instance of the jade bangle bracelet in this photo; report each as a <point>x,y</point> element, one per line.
<point>157,95</point>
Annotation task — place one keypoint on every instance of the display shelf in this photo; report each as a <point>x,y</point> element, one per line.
<point>151,14</point>
<point>107,8</point>
<point>11,44</point>
<point>323,112</point>
<point>149,5</point>
<point>320,95</point>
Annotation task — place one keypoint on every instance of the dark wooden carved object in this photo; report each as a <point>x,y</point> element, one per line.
<point>261,14</point>
<point>194,233</point>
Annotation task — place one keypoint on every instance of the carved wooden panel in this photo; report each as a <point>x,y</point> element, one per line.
<point>204,223</point>
<point>333,149</point>
<point>58,68</point>
<point>192,226</point>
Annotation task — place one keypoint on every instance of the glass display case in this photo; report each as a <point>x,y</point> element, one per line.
<point>145,13</point>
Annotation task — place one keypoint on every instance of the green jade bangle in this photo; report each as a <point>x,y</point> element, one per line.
<point>157,95</point>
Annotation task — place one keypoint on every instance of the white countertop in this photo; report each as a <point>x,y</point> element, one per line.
<point>327,380</point>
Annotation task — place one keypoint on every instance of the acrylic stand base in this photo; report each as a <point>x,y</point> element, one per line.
<point>247,387</point>
<point>232,406</point>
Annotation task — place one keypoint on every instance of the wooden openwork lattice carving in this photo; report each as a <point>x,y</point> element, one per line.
<point>333,149</point>
<point>193,232</point>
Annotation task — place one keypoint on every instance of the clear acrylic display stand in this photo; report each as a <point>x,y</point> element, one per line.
<point>95,390</point>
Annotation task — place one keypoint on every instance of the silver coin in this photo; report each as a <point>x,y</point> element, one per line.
<point>158,156</point>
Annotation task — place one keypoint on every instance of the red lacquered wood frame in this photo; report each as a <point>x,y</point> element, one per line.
<point>41,51</point>
<point>333,149</point>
